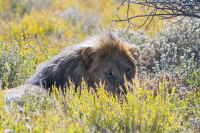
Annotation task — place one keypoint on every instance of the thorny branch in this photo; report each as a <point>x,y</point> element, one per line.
<point>164,9</point>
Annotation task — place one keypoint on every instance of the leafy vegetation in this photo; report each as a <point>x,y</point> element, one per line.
<point>165,100</point>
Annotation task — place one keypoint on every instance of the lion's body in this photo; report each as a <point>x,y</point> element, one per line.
<point>58,69</point>
<point>103,57</point>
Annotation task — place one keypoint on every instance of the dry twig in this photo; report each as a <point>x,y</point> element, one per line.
<point>164,9</point>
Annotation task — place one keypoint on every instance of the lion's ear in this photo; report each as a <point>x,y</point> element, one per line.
<point>134,52</point>
<point>87,56</point>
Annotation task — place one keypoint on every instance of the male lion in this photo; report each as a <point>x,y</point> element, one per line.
<point>103,57</point>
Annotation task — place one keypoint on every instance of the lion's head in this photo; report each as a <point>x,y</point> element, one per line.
<point>104,57</point>
<point>112,61</point>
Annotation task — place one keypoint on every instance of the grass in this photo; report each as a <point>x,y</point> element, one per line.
<point>100,112</point>
<point>167,96</point>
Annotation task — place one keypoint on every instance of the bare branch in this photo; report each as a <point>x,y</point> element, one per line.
<point>164,9</point>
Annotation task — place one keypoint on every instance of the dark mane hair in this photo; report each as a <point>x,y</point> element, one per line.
<point>73,62</point>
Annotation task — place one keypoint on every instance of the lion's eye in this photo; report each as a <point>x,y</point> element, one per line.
<point>128,70</point>
<point>109,73</point>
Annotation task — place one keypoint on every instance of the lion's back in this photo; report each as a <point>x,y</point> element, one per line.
<point>59,69</point>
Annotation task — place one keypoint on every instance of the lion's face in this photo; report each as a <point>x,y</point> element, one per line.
<point>113,74</point>
<point>112,62</point>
